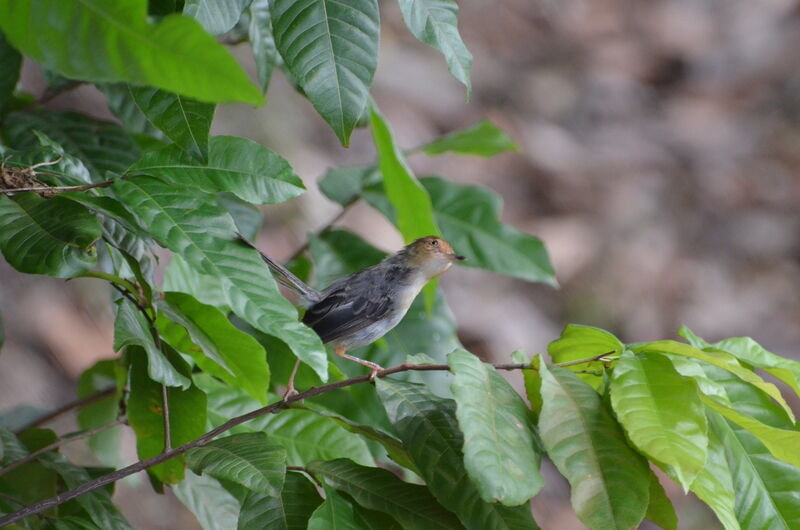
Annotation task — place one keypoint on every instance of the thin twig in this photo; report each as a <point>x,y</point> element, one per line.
<point>68,438</point>
<point>60,189</point>
<point>582,361</point>
<point>165,406</point>
<point>88,400</point>
<point>230,424</point>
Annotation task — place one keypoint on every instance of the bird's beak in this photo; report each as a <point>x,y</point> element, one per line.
<point>457,257</point>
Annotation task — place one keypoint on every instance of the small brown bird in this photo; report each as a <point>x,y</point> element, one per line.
<point>361,308</point>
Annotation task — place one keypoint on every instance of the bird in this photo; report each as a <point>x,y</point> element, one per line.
<point>358,309</point>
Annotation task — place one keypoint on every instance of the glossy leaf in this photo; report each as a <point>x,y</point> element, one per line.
<point>306,436</point>
<point>227,353</point>
<point>331,49</point>
<point>63,169</point>
<point>609,480</point>
<point>532,379</point>
<point>262,41</point>
<point>105,445</point>
<point>482,139</point>
<point>659,508</point>
<point>183,120</point>
<point>101,146</point>
<point>290,510</point>
<point>47,236</point>
<point>717,358</point>
<point>10,63</point>
<point>428,428</point>
<point>377,489</point>
<point>112,40</point>
<point>194,226</point>
<point>181,277</point>
<point>767,490</point>
<point>412,205</point>
<point>334,512</point>
<point>237,165</point>
<point>212,505</point>
<point>97,503</point>
<point>121,103</point>
<point>249,459</point>
<point>499,445</point>
<point>435,22</point>
<point>346,184</point>
<point>583,342</point>
<point>187,418</point>
<point>661,412</point>
<point>216,16</point>
<point>132,329</point>
<point>714,484</point>
<point>246,216</point>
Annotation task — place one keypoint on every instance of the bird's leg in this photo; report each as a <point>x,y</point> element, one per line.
<point>375,368</point>
<point>290,390</point>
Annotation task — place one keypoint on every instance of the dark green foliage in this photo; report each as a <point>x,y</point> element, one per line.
<point>419,449</point>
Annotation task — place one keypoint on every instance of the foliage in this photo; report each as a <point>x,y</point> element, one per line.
<point>215,339</point>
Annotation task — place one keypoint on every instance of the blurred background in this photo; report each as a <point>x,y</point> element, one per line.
<point>659,161</point>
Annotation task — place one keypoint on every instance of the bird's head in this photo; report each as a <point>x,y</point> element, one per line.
<point>432,255</point>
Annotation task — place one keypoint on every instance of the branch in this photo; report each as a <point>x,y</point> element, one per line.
<point>230,424</point>
<point>59,189</point>
<point>88,400</point>
<point>68,438</point>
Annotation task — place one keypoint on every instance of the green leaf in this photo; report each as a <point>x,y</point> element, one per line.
<point>11,449</point>
<point>414,211</point>
<point>747,350</point>
<point>101,146</point>
<point>331,49</point>
<point>609,480</point>
<point>32,481</point>
<point>338,253</point>
<point>428,428</point>
<point>660,509</point>
<point>132,329</point>
<point>377,489</point>
<point>105,445</point>
<point>469,218</point>
<point>714,484</point>
<point>499,452</point>
<point>47,236</point>
<point>372,520</point>
<point>435,22</point>
<point>112,40</point>
<point>661,412</point>
<point>583,342</point>
<point>334,513</point>
<point>216,16</point>
<point>230,354</point>
<point>345,184</point>
<point>212,505</point>
<point>247,217</point>
<point>767,490</point>
<point>290,510</point>
<point>717,358</point>
<point>251,172</point>
<point>187,418</point>
<point>194,226</point>
<point>262,41</point>
<point>412,205</point>
<point>121,103</point>
<point>10,63</point>
<point>306,436</point>
<point>183,120</point>
<point>482,139</point>
<point>97,503</point>
<point>179,276</point>
<point>249,459</point>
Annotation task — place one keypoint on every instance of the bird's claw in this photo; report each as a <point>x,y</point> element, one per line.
<point>290,392</point>
<point>374,372</point>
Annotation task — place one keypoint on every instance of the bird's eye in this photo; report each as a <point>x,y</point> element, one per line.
<point>435,243</point>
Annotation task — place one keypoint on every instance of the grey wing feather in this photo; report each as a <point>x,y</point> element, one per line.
<point>350,305</point>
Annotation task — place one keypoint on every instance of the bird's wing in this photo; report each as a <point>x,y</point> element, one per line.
<point>350,305</point>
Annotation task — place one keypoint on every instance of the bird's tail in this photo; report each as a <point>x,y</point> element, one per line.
<point>285,276</point>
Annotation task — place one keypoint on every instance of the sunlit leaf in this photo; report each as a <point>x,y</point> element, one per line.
<point>499,451</point>
<point>661,412</point>
<point>714,484</point>
<point>481,139</point>
<point>584,342</point>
